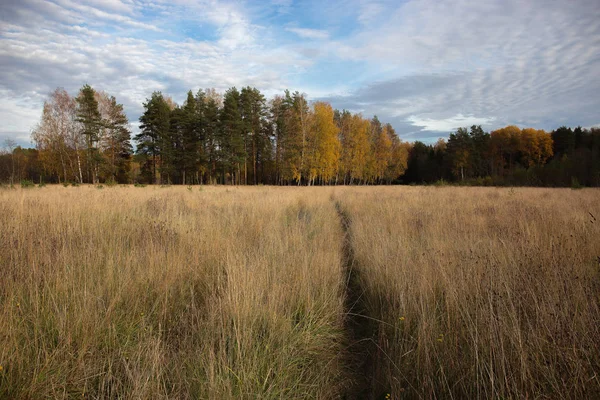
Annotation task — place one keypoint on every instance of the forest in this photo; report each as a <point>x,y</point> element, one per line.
<point>239,137</point>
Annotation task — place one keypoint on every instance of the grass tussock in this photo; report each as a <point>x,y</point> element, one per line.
<point>480,293</point>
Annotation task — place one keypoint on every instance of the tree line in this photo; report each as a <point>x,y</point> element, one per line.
<point>509,156</point>
<point>240,137</point>
<point>85,139</point>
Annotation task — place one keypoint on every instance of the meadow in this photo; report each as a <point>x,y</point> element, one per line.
<point>216,292</point>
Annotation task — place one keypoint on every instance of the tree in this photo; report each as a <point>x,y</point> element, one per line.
<point>323,154</point>
<point>155,125</point>
<point>398,156</point>
<point>563,141</point>
<point>425,163</point>
<point>293,136</point>
<point>459,150</point>
<point>360,148</point>
<point>343,121</point>
<point>190,137</point>
<point>278,112</point>
<point>210,113</point>
<point>480,151</point>
<point>57,137</point>
<point>535,147</point>
<point>382,149</point>
<point>232,138</point>
<point>90,119</point>
<point>114,141</point>
<point>504,148</point>
<point>253,112</point>
<point>171,147</point>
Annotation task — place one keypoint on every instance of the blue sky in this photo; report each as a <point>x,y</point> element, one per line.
<point>427,66</point>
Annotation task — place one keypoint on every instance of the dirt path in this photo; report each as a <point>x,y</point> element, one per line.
<point>360,329</point>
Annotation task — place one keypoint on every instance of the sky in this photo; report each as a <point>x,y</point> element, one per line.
<point>427,66</point>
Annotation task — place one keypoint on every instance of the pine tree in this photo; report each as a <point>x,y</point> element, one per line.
<point>211,127</point>
<point>190,138</point>
<point>278,113</point>
<point>459,149</point>
<point>115,143</point>
<point>294,137</point>
<point>253,112</point>
<point>231,141</point>
<point>89,117</point>
<point>155,129</point>
<point>480,155</point>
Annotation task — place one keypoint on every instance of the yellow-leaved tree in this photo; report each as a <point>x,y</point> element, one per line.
<point>323,145</point>
<point>382,150</point>
<point>359,147</point>
<point>398,161</point>
<point>535,146</point>
<point>505,144</point>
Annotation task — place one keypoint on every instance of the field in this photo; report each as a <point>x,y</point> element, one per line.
<point>299,293</point>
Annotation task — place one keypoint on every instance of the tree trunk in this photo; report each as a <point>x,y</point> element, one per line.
<point>254,158</point>
<point>78,163</point>
<point>62,161</point>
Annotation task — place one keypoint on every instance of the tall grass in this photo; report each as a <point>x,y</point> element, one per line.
<point>480,293</point>
<point>249,293</point>
<point>165,292</point>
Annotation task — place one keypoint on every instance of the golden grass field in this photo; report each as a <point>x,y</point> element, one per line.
<point>299,293</point>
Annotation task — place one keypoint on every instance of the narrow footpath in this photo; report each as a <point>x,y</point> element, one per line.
<point>360,329</point>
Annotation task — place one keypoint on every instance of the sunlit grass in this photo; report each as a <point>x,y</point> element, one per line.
<point>226,292</point>
<point>167,292</point>
<point>481,292</point>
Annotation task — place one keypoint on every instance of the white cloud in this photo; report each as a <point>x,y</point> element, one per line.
<point>110,16</point>
<point>413,63</point>
<point>369,12</point>
<point>310,33</point>
<point>448,124</point>
<point>17,117</point>
<point>59,53</point>
<point>530,63</point>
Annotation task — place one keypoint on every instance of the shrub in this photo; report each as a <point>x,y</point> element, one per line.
<point>25,183</point>
<point>111,183</point>
<point>575,183</point>
<point>486,181</point>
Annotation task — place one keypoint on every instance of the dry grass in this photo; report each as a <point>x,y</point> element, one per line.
<point>165,292</point>
<point>480,292</point>
<point>226,293</point>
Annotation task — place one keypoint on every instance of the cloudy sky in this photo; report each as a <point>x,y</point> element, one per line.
<point>426,66</point>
